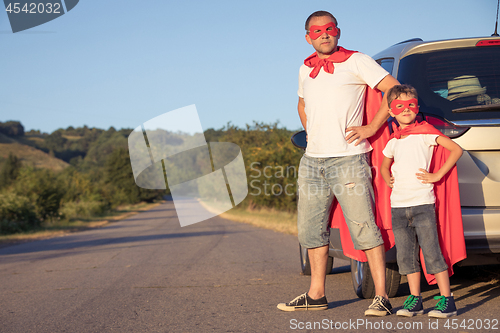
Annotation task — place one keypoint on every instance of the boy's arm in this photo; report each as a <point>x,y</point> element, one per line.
<point>455,153</point>
<point>385,171</point>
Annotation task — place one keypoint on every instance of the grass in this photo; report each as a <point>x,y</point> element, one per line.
<point>29,155</point>
<point>59,228</point>
<point>272,219</point>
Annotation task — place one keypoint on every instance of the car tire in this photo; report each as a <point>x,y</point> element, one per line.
<point>306,266</point>
<point>362,280</point>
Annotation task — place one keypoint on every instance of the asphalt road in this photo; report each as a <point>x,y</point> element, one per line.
<point>147,274</point>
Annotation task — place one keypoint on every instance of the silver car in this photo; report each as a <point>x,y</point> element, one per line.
<point>458,83</point>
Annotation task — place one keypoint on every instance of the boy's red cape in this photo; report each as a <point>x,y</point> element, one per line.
<point>448,210</point>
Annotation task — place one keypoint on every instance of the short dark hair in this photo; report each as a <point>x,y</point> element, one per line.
<point>398,90</point>
<point>320,13</point>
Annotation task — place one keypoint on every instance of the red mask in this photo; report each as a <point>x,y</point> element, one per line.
<point>317,30</point>
<point>398,106</point>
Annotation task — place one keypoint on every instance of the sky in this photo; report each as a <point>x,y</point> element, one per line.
<point>121,63</point>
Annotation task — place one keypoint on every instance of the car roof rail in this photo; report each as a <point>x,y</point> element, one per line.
<point>410,40</point>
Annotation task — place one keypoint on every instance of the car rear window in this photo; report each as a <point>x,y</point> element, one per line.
<point>457,84</point>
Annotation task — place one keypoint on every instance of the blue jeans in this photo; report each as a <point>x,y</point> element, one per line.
<point>346,178</point>
<point>415,227</point>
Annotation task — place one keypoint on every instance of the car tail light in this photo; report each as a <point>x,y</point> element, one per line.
<point>447,128</point>
<point>488,42</point>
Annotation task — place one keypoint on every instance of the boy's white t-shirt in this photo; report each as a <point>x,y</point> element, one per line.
<point>410,154</point>
<point>335,102</point>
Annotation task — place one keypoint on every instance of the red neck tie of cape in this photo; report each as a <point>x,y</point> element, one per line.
<point>415,128</point>
<point>317,63</point>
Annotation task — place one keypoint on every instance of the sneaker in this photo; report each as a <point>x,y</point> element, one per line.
<point>304,302</point>
<point>444,308</point>
<point>412,307</point>
<point>379,307</point>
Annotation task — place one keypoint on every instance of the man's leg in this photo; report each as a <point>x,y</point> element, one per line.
<point>314,203</point>
<point>376,261</point>
<point>315,298</point>
<point>354,192</point>
<point>318,258</point>
<point>380,305</point>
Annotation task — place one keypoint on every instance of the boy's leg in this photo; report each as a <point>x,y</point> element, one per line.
<point>408,259</point>
<point>413,305</point>
<point>414,283</point>
<point>443,282</point>
<point>405,236</point>
<point>424,221</point>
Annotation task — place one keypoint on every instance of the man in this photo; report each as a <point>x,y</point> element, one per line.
<point>332,86</point>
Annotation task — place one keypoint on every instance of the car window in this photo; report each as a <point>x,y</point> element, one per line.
<point>386,64</point>
<point>451,80</point>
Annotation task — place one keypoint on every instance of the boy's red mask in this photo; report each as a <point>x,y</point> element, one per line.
<point>398,106</point>
<point>317,30</point>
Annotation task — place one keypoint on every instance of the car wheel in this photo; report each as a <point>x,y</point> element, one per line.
<point>306,266</point>
<point>362,280</point>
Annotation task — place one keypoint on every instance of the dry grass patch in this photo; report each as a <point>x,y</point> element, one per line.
<point>272,219</point>
<point>31,156</point>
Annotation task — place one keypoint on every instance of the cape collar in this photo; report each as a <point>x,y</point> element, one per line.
<point>317,63</point>
<point>415,128</point>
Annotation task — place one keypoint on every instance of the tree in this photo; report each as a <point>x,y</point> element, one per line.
<point>119,175</point>
<point>10,170</point>
<point>12,128</point>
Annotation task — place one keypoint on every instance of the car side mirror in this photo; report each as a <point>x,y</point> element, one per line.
<point>299,139</point>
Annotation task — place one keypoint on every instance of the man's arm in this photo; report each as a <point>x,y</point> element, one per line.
<point>362,132</point>
<point>302,113</point>
<point>455,153</point>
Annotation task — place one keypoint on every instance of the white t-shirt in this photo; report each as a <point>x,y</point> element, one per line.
<point>334,102</point>
<point>410,154</point>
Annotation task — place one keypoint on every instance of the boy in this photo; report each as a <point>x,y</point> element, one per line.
<point>412,199</point>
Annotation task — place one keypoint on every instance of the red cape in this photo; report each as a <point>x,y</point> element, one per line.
<point>373,99</point>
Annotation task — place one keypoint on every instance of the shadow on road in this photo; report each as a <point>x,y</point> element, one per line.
<point>72,242</point>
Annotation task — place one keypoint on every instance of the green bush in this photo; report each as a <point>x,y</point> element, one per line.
<point>17,213</point>
<point>43,189</point>
<point>271,163</point>
<point>83,209</point>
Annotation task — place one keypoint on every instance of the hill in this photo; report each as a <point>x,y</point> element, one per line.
<point>29,155</point>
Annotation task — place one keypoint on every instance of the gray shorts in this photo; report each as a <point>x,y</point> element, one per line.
<point>414,228</point>
<point>346,178</point>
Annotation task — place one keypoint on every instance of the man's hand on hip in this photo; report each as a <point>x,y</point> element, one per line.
<point>359,133</point>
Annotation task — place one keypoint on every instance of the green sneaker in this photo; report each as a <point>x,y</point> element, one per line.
<point>412,307</point>
<point>444,308</point>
